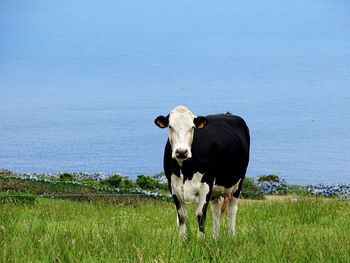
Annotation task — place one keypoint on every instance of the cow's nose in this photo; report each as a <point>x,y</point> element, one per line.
<point>181,153</point>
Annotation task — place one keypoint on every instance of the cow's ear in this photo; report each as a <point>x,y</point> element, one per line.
<point>162,121</point>
<point>200,122</point>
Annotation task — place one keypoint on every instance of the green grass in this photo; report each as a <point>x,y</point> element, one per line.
<point>141,230</point>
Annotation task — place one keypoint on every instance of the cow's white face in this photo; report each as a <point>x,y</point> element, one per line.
<point>181,130</point>
<point>181,123</point>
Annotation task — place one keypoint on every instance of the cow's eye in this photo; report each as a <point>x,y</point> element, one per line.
<point>171,128</point>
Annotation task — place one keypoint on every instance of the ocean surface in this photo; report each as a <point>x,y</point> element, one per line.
<point>82,81</point>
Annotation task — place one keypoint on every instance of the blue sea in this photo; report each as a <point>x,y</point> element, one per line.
<point>82,81</point>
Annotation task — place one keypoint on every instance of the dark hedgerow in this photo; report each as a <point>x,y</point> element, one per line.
<point>17,197</point>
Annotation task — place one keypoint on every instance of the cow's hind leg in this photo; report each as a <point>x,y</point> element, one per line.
<point>231,212</point>
<point>216,205</point>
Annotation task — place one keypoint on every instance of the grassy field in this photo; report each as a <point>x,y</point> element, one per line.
<point>281,229</point>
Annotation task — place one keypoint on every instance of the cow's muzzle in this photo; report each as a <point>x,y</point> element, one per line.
<point>181,153</point>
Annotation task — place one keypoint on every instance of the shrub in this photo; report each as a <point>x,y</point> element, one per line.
<point>146,182</point>
<point>66,177</point>
<point>272,184</point>
<point>340,190</point>
<point>250,190</point>
<point>164,186</point>
<point>274,187</point>
<point>113,181</point>
<point>127,183</point>
<point>268,178</point>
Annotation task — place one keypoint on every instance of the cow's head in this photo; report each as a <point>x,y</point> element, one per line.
<point>181,123</point>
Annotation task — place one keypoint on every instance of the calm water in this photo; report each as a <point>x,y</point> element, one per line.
<point>82,81</point>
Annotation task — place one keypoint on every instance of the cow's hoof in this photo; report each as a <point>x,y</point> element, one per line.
<point>182,236</point>
<point>232,233</point>
<point>200,234</point>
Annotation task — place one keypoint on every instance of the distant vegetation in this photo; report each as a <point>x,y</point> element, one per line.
<point>82,186</point>
<point>79,186</point>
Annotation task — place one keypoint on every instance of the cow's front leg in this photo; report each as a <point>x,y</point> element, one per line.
<point>181,215</point>
<point>203,201</point>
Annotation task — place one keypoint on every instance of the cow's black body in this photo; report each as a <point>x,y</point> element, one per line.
<point>220,151</point>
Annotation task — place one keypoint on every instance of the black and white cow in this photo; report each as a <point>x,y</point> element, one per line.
<point>205,158</point>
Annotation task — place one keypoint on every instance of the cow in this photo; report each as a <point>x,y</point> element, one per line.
<point>205,157</point>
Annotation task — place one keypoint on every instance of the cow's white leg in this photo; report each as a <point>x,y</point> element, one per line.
<point>216,211</point>
<point>231,212</point>
<point>203,200</point>
<point>182,215</point>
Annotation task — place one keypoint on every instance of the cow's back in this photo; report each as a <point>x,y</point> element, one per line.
<point>225,142</point>
<point>227,132</point>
